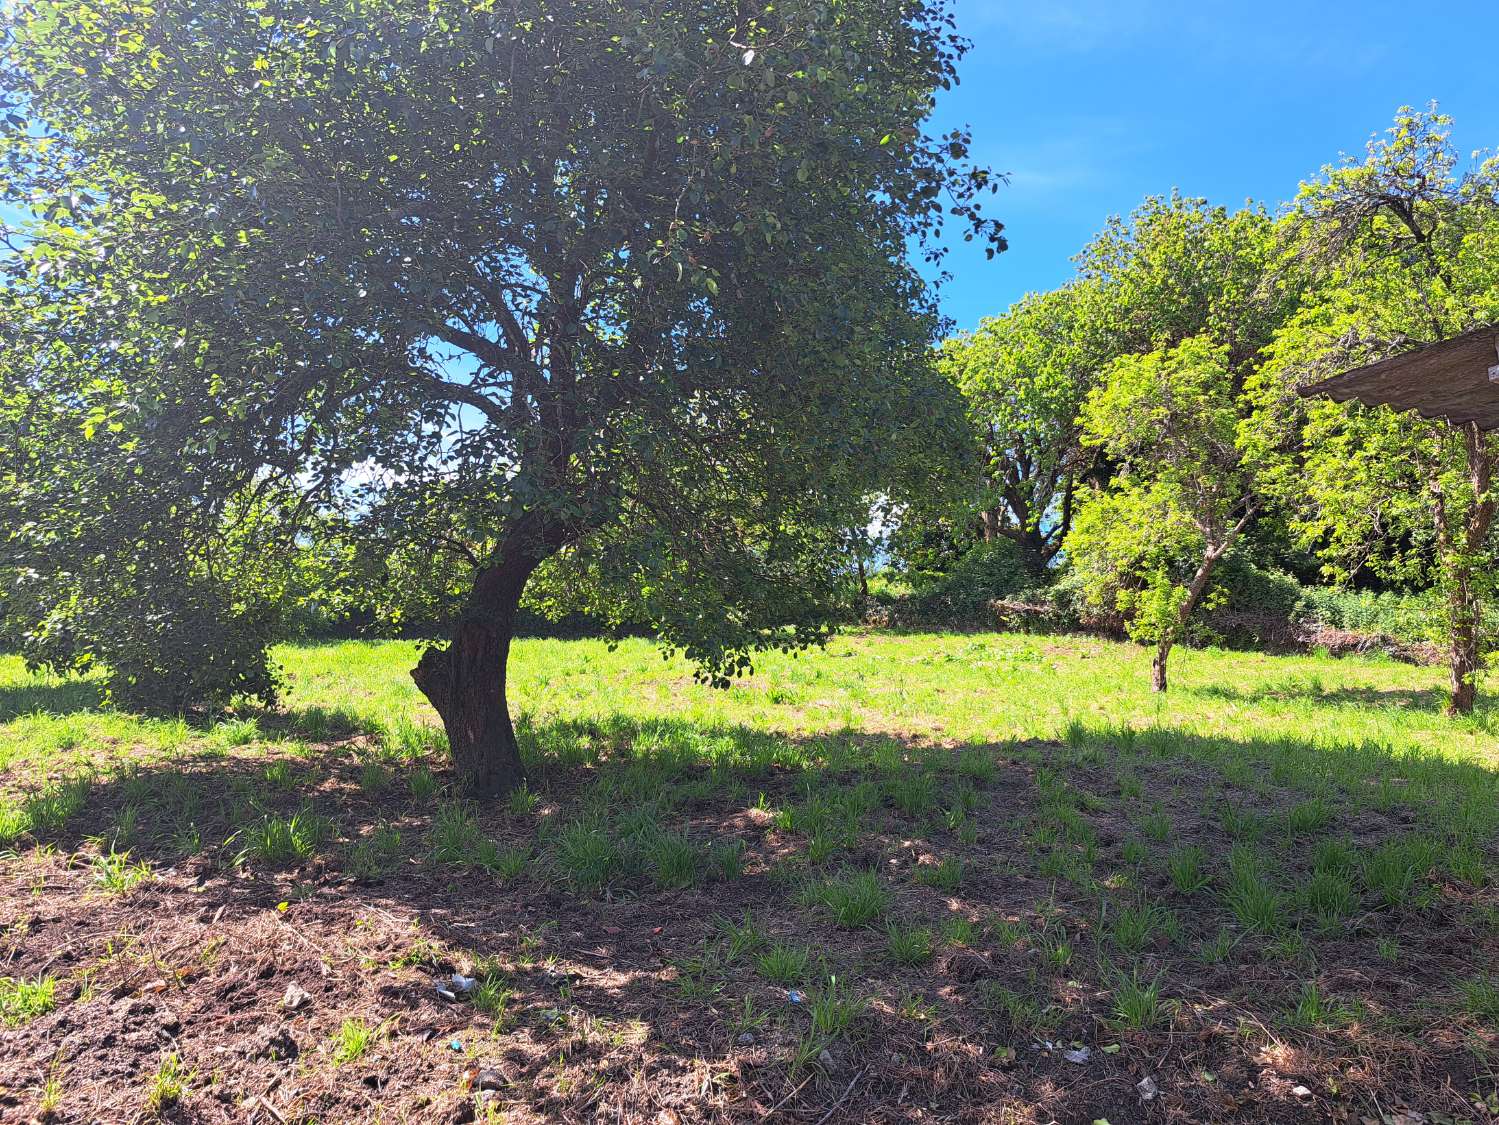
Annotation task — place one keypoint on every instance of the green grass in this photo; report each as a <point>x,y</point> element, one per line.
<point>870,801</point>
<point>784,963</point>
<point>168,1085</point>
<point>909,945</point>
<point>22,1001</point>
<point>352,1040</point>
<point>853,899</point>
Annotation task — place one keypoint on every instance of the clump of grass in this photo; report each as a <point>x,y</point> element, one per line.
<point>374,856</point>
<point>725,860</point>
<point>115,873</point>
<point>1308,816</point>
<point>1395,872</point>
<point>1242,824</point>
<point>586,855</point>
<point>908,945</point>
<point>854,899</point>
<point>353,1041</point>
<point>1134,926</point>
<point>422,784</point>
<point>236,732</point>
<point>959,929</point>
<point>47,812</point>
<point>22,1001</point>
<point>522,801</point>
<point>946,875</point>
<point>1480,998</point>
<point>280,775</point>
<point>511,863</point>
<point>278,839</point>
<point>1337,856</point>
<point>457,839</point>
<point>1187,867</point>
<point>375,777</point>
<point>742,938</point>
<point>784,963</point>
<point>914,794</point>
<point>1138,1004</point>
<point>834,1010</point>
<point>14,823</point>
<point>1253,900</point>
<point>168,1085</point>
<point>410,741</point>
<point>1312,1010</point>
<point>675,861</point>
<point>1329,897</point>
<point>1025,1014</point>
<point>1156,825</point>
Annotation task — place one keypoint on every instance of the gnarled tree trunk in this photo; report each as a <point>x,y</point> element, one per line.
<point>465,681</point>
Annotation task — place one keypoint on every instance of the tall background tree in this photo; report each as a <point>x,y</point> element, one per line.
<point>1404,246</point>
<point>595,278</point>
<point>1147,546</point>
<point>1024,376</point>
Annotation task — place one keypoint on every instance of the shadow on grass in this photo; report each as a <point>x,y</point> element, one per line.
<point>1432,700</point>
<point>632,951</point>
<point>64,697</point>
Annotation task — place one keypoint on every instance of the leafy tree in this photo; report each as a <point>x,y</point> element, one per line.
<point>1180,267</point>
<point>617,283</point>
<point>1405,247</point>
<point>1024,376</point>
<point>1147,546</point>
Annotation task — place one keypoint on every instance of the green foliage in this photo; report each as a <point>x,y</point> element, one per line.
<point>24,1000</point>
<point>1024,376</point>
<point>961,595</point>
<point>523,290</point>
<point>1146,546</point>
<point>1402,246</point>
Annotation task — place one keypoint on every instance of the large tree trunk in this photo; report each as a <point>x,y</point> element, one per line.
<point>465,681</point>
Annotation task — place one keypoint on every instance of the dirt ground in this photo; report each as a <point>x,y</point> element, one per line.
<point>626,1006</point>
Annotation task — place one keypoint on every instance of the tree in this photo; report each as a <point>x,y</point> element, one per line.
<point>1179,267</point>
<point>1024,376</point>
<point>1147,545</point>
<point>598,280</point>
<point>1404,245</point>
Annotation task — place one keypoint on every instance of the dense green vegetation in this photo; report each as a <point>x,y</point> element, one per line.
<point>1142,424</point>
<point>525,287</point>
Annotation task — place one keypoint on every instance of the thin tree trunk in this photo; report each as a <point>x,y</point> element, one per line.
<point>1463,658</point>
<point>1158,665</point>
<point>1464,608</point>
<point>1195,590</point>
<point>465,681</point>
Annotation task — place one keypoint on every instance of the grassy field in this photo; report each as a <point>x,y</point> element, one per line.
<point>925,877</point>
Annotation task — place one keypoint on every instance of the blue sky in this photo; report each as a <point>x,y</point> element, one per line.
<point>1093,104</point>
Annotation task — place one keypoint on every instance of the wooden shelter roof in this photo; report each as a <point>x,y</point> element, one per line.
<point>1456,380</point>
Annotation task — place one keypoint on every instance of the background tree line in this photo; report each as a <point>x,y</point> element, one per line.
<point>1138,442</point>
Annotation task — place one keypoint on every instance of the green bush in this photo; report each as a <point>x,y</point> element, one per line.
<point>988,571</point>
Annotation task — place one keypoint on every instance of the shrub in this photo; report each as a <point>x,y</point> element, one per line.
<point>961,596</point>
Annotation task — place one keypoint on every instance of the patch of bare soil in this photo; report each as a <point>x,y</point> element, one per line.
<point>625,1008</point>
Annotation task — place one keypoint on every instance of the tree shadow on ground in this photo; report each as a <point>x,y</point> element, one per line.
<point>352,874</point>
<point>1433,699</point>
<point>62,697</point>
